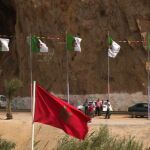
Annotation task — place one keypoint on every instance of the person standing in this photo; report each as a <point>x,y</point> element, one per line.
<point>101,108</point>
<point>98,107</point>
<point>86,107</point>
<point>107,116</point>
<point>91,109</point>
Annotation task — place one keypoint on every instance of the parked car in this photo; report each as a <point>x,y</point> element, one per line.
<point>3,101</point>
<point>81,108</point>
<point>139,109</point>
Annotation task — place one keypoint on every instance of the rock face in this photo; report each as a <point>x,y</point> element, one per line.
<point>91,19</point>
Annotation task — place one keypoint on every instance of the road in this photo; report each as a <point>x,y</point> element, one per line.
<point>18,129</point>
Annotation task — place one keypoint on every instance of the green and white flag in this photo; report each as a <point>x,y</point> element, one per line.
<point>73,43</point>
<point>114,48</point>
<point>37,45</point>
<point>4,44</point>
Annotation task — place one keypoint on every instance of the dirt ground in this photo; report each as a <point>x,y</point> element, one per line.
<point>18,130</point>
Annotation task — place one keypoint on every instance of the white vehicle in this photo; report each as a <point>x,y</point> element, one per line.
<point>80,107</point>
<point>3,101</point>
<point>105,106</point>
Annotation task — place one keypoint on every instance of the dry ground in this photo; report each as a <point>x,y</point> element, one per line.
<point>18,130</point>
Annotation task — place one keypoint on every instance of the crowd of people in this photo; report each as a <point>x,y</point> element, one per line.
<point>95,108</point>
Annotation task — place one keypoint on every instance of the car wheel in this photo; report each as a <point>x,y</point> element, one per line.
<point>133,115</point>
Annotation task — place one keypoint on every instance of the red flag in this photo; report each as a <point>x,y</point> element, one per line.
<point>53,111</point>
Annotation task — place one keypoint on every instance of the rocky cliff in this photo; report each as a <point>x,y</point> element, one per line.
<point>127,20</point>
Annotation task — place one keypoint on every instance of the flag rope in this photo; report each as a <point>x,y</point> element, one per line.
<point>43,37</point>
<point>129,41</point>
<point>61,38</point>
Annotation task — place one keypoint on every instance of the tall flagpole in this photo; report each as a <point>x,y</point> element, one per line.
<point>68,78</point>
<point>148,92</point>
<point>108,84</point>
<point>33,111</point>
<point>67,66</point>
<point>32,93</point>
<point>30,37</point>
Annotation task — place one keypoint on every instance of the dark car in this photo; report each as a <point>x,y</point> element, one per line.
<point>139,109</point>
<point>3,101</point>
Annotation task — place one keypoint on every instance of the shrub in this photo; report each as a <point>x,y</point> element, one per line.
<point>99,140</point>
<point>11,88</point>
<point>6,145</point>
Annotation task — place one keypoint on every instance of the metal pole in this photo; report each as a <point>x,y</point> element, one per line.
<point>31,70</point>
<point>67,66</point>
<point>148,73</point>
<point>108,63</point>
<point>33,111</point>
<point>108,79</point>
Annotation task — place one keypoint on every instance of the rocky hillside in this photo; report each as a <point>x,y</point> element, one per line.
<point>92,20</point>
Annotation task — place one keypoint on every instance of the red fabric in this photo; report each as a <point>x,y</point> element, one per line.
<point>91,108</point>
<point>53,111</point>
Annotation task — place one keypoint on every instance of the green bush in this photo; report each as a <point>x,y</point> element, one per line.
<point>99,140</point>
<point>6,145</point>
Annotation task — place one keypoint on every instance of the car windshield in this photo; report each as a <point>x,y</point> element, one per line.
<point>3,98</point>
<point>139,105</point>
<point>145,105</point>
<point>142,105</point>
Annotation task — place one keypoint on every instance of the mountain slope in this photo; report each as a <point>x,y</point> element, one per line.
<point>92,20</point>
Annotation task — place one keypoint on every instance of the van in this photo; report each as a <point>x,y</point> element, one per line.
<point>3,101</point>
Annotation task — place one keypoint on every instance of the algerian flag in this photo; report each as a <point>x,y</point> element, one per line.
<point>4,44</point>
<point>73,43</point>
<point>37,45</point>
<point>114,48</point>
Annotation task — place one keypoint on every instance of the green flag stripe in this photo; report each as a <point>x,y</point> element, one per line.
<point>35,45</point>
<point>70,42</point>
<point>109,40</point>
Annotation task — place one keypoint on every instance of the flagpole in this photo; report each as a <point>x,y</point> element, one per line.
<point>31,69</point>
<point>148,49</point>
<point>108,71</point>
<point>67,66</point>
<point>33,111</point>
<point>68,78</point>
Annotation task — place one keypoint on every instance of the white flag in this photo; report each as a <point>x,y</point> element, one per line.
<point>4,44</point>
<point>113,50</point>
<point>77,42</point>
<point>43,47</point>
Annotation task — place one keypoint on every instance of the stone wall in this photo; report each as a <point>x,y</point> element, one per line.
<point>23,103</point>
<point>119,101</point>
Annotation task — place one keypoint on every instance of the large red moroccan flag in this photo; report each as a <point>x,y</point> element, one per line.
<point>53,111</point>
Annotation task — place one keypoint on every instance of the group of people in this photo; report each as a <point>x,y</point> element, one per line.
<point>95,108</point>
